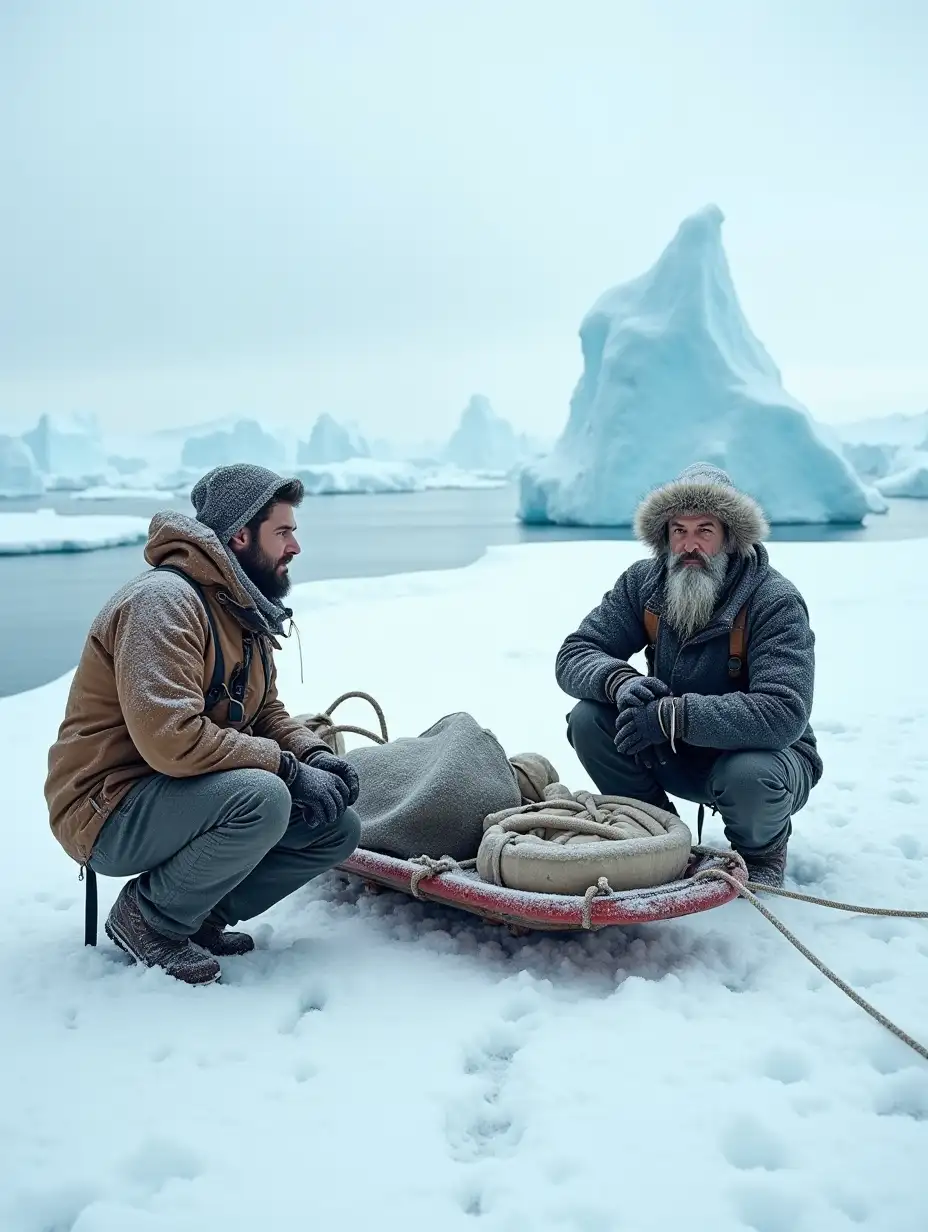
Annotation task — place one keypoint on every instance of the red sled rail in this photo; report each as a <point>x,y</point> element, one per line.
<point>523,909</point>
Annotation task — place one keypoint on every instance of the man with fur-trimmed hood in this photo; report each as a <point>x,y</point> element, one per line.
<point>693,728</point>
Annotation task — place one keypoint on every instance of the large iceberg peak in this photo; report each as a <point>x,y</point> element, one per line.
<point>672,373</point>
<point>695,254</point>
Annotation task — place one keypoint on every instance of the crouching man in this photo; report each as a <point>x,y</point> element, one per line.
<point>176,764</point>
<point>722,718</point>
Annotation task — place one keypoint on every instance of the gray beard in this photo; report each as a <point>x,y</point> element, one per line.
<point>690,595</point>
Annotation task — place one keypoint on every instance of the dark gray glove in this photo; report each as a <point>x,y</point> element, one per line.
<point>639,728</point>
<point>323,760</point>
<point>322,796</point>
<point>638,691</point>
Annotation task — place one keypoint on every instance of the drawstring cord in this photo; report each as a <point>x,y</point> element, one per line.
<point>295,628</point>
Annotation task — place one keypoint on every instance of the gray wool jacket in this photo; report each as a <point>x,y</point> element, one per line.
<point>770,711</point>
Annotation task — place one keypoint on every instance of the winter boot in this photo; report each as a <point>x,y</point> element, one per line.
<point>128,928</point>
<point>217,939</point>
<point>768,869</point>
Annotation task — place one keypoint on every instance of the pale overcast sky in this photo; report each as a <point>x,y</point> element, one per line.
<point>378,207</point>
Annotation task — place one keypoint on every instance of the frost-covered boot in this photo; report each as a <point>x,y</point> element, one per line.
<point>128,928</point>
<point>768,869</point>
<point>216,939</point>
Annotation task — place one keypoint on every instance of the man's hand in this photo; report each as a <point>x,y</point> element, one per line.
<point>322,796</point>
<point>336,765</point>
<point>639,728</point>
<point>639,691</point>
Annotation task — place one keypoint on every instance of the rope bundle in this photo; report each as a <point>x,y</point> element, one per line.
<point>569,843</point>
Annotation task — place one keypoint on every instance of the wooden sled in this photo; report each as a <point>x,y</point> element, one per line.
<point>522,910</point>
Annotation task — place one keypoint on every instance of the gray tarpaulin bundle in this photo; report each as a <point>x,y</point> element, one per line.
<point>429,794</point>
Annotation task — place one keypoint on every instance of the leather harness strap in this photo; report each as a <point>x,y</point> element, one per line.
<point>737,639</point>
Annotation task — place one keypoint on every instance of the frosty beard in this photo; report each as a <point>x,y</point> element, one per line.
<point>692,590</point>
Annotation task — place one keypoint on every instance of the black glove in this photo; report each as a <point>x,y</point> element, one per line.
<point>336,765</point>
<point>639,728</point>
<point>638,691</point>
<point>322,796</point>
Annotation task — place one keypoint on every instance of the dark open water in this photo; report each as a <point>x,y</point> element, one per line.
<point>50,600</point>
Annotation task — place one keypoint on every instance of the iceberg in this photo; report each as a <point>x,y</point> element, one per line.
<point>483,440</point>
<point>330,442</point>
<point>19,475</point>
<point>68,447</point>
<point>372,476</point>
<point>871,460</point>
<point>911,483</point>
<point>44,530</point>
<point>113,492</point>
<point>246,441</point>
<point>893,431</point>
<point>672,374</point>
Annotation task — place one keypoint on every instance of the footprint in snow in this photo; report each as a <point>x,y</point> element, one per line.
<point>484,1125</point>
<point>310,1001</point>
<point>902,795</point>
<point>909,845</point>
<point>159,1160</point>
<point>764,1208</point>
<point>747,1143</point>
<point>904,1095</point>
<point>786,1065</point>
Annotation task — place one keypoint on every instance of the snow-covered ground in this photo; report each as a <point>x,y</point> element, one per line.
<point>44,530</point>
<point>379,1063</point>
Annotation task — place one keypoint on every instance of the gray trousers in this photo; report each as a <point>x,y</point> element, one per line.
<point>756,791</point>
<point>221,846</point>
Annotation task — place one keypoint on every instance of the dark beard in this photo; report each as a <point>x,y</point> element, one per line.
<point>262,570</point>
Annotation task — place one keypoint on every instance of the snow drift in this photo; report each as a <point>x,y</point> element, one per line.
<point>19,475</point>
<point>483,440</point>
<point>672,374</point>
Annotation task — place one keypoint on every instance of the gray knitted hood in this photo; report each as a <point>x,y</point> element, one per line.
<point>701,488</point>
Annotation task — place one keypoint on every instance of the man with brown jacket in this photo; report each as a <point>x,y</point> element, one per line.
<point>177,765</point>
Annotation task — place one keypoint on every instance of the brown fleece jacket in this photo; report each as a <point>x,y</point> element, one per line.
<point>137,697</point>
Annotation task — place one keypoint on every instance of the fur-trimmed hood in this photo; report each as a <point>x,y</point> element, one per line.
<point>701,488</point>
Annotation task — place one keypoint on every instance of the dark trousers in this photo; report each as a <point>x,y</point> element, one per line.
<point>222,846</point>
<point>756,791</point>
